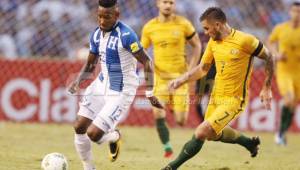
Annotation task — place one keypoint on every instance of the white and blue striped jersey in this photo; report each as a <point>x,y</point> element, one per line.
<point>116,49</point>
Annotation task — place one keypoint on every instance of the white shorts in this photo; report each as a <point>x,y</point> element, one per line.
<point>104,106</point>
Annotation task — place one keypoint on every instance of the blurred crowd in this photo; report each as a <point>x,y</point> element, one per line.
<point>61,28</point>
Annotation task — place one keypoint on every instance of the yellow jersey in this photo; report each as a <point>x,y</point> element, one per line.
<point>288,39</point>
<point>233,57</point>
<point>168,40</point>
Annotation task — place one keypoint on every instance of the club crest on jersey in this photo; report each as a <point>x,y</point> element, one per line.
<point>176,33</point>
<point>134,47</point>
<point>234,51</point>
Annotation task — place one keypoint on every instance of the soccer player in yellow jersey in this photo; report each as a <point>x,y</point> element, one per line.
<point>286,36</point>
<point>233,52</point>
<point>168,33</point>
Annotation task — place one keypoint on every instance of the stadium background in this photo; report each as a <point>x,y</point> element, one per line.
<point>43,42</point>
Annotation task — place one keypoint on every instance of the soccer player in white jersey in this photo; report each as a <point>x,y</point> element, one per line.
<point>108,97</point>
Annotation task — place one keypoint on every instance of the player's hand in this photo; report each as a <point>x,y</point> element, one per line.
<point>73,88</point>
<point>154,102</point>
<point>266,97</point>
<point>174,84</point>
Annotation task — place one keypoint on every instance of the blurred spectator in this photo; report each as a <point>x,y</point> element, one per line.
<point>77,9</point>
<point>8,9</point>
<point>7,46</point>
<point>194,9</point>
<point>263,16</point>
<point>47,40</point>
<point>233,12</point>
<point>55,7</point>
<point>72,34</point>
<point>131,14</point>
<point>25,8</point>
<point>278,13</point>
<point>7,31</point>
<point>68,22</point>
<point>26,29</point>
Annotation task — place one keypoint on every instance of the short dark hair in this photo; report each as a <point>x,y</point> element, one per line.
<point>296,3</point>
<point>215,13</point>
<point>107,3</point>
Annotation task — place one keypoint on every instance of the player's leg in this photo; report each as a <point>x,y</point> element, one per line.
<point>100,135</point>
<point>103,128</point>
<point>181,104</point>
<point>222,116</point>
<point>193,146</point>
<point>161,92</point>
<point>162,130</point>
<point>287,91</point>
<point>230,135</point>
<point>90,103</point>
<point>228,110</point>
<point>82,142</point>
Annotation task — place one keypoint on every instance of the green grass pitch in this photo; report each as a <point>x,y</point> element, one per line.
<point>23,145</point>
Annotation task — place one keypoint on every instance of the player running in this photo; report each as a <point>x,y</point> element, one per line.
<point>109,96</point>
<point>286,36</point>
<point>233,52</point>
<point>168,34</point>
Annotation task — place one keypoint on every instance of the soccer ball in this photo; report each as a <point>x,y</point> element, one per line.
<point>54,161</point>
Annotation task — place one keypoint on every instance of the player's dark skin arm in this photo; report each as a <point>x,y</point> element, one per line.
<point>143,58</point>
<point>266,92</point>
<point>85,72</point>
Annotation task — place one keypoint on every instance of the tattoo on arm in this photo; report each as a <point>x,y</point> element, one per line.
<point>143,58</point>
<point>269,66</point>
<point>206,67</point>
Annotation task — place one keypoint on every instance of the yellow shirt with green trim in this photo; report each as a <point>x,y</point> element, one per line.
<point>288,39</point>
<point>168,40</point>
<point>233,57</point>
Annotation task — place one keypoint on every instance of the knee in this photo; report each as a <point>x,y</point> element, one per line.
<point>81,124</point>
<point>180,122</point>
<point>79,128</point>
<point>200,134</point>
<point>94,133</point>
<point>180,118</point>
<point>159,113</point>
<point>205,132</point>
<point>290,102</point>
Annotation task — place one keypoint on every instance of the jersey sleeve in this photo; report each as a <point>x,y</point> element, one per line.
<point>94,42</point>
<point>274,34</point>
<point>130,41</point>
<point>208,54</point>
<point>145,39</point>
<point>190,30</point>
<point>253,45</point>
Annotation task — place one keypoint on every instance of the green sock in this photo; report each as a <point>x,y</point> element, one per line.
<point>244,141</point>
<point>190,149</point>
<point>286,119</point>
<point>233,136</point>
<point>163,133</point>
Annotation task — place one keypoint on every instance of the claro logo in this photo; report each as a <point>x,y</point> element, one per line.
<point>54,105</point>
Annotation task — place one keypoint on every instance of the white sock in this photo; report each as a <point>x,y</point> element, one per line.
<point>109,137</point>
<point>83,148</point>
